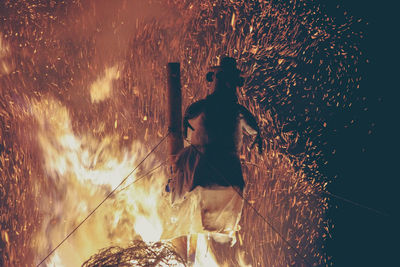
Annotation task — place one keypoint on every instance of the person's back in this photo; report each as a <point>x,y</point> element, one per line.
<point>209,168</point>
<point>216,125</point>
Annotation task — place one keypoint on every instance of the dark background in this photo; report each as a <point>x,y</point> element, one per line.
<point>366,157</point>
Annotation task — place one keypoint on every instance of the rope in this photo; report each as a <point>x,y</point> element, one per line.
<point>334,195</point>
<point>356,204</point>
<point>144,175</point>
<point>255,210</point>
<point>108,196</point>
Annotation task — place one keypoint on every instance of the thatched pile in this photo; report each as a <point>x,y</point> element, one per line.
<point>138,253</point>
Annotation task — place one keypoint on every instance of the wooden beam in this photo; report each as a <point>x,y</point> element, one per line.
<point>175,138</point>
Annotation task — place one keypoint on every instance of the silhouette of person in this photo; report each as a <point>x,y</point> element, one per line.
<point>211,166</point>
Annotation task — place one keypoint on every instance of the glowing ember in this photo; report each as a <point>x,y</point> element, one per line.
<point>82,101</point>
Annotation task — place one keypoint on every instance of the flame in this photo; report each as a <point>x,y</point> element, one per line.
<point>101,88</point>
<point>83,157</point>
<point>55,261</point>
<point>89,141</point>
<point>84,170</point>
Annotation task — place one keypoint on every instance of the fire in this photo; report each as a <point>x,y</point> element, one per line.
<point>84,170</point>
<point>82,93</point>
<point>102,87</point>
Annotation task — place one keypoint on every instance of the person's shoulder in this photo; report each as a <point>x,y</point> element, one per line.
<point>196,107</point>
<point>201,101</point>
<point>198,103</point>
<point>241,108</point>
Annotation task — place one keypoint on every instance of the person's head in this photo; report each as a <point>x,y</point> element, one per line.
<point>226,77</point>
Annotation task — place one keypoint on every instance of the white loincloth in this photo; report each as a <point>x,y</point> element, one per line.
<point>214,210</point>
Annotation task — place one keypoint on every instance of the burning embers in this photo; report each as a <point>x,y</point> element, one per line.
<point>82,171</point>
<point>80,106</point>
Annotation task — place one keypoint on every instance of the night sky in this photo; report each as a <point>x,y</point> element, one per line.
<point>365,163</point>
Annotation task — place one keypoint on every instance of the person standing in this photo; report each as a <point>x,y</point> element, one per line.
<point>210,166</point>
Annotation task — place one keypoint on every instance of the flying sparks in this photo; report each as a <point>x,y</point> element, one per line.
<point>82,98</point>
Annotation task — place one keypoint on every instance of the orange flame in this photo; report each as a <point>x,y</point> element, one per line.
<point>88,140</point>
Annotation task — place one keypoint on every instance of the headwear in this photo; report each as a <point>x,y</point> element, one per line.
<point>228,64</point>
<point>228,67</point>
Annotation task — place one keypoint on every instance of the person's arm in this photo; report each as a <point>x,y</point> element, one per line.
<point>251,127</point>
<point>191,112</point>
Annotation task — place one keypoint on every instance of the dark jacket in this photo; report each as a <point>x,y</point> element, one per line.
<point>214,128</point>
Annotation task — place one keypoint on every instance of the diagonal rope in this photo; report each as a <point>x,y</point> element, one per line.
<point>264,218</point>
<point>108,196</point>
<point>354,203</point>
<point>143,176</point>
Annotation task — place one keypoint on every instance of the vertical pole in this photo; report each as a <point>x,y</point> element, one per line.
<point>175,138</point>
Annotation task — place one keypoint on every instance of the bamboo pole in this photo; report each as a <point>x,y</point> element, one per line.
<point>175,138</point>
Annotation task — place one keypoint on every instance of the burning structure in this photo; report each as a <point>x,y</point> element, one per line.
<point>81,104</point>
